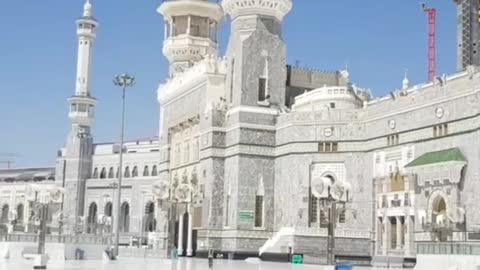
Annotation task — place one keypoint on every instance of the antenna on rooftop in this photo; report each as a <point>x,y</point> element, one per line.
<point>8,159</point>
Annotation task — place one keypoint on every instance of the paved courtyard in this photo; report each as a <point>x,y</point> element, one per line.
<point>150,264</point>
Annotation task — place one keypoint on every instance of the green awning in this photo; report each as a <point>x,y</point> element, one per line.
<point>448,155</point>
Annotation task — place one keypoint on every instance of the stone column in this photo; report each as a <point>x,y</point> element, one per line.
<point>189,25</point>
<point>407,235</point>
<point>165,33</point>
<point>399,233</point>
<point>180,235</point>
<point>385,236</point>
<point>378,236</point>
<point>190,233</point>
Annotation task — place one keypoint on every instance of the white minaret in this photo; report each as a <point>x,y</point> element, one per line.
<point>82,104</point>
<point>74,164</point>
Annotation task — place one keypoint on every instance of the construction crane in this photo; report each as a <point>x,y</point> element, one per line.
<point>432,50</point>
<point>8,159</point>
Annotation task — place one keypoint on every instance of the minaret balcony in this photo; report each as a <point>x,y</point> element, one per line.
<point>186,47</point>
<point>82,118</point>
<point>274,8</point>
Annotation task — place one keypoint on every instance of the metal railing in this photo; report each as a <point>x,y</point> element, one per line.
<point>79,239</point>
<point>435,248</point>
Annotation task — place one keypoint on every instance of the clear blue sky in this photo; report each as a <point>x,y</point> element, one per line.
<point>377,38</point>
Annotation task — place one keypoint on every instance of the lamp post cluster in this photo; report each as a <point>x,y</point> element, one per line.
<point>331,193</point>
<point>42,198</point>
<point>172,197</point>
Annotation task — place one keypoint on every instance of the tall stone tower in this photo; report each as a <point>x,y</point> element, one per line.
<point>255,89</point>
<point>74,164</point>
<point>468,33</point>
<point>190,32</point>
<point>256,52</point>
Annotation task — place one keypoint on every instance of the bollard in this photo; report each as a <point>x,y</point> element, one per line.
<point>210,258</point>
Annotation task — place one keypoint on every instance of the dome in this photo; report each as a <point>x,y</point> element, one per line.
<point>330,97</point>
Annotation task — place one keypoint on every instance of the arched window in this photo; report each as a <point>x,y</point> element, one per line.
<point>92,218</point>
<point>117,174</point>
<point>103,173</point>
<point>20,214</point>
<point>146,172</point>
<point>125,217</point>
<point>110,172</point>
<point>126,174</point>
<point>4,215</point>
<point>154,170</point>
<point>135,171</point>
<point>108,211</point>
<point>95,173</point>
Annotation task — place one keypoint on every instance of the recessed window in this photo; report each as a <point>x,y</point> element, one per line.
<point>259,211</point>
<point>332,105</point>
<point>227,214</point>
<point>440,130</point>
<point>328,147</point>
<point>262,89</point>
<point>342,216</point>
<point>393,140</point>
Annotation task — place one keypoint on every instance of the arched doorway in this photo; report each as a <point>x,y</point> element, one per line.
<point>108,212</point>
<point>92,218</point>
<point>4,216</point>
<point>439,210</point>
<point>19,226</point>
<point>440,218</point>
<point>125,217</point>
<point>149,221</point>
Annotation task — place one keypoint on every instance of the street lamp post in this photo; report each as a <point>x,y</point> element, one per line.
<point>124,81</point>
<point>332,218</point>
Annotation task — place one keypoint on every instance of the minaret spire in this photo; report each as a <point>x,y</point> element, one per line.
<point>87,9</point>
<point>405,82</point>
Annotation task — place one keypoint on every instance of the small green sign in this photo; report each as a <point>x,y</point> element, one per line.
<point>246,216</point>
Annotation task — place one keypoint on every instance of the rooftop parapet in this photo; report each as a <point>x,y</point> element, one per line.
<point>209,65</point>
<point>311,78</point>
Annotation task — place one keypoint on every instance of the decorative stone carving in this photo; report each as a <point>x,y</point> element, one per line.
<point>439,112</point>
<point>210,65</point>
<point>392,124</point>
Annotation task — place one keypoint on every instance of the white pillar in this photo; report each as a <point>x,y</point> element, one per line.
<point>407,235</point>
<point>385,236</point>
<point>180,235</point>
<point>171,29</point>
<point>165,32</point>
<point>190,233</point>
<point>399,233</point>
<point>189,25</point>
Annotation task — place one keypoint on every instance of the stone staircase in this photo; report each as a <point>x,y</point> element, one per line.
<point>279,243</point>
